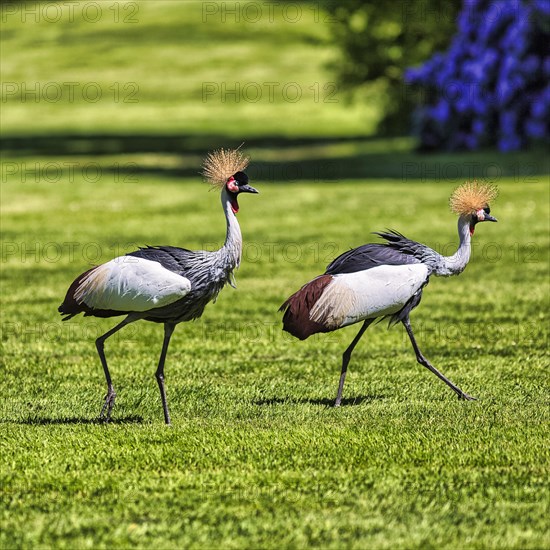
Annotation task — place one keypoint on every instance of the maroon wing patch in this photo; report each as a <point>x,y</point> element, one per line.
<point>297,308</point>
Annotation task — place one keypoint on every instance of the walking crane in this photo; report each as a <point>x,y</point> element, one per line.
<point>377,281</point>
<point>164,284</point>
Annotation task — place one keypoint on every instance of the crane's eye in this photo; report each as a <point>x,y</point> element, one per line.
<point>487,210</point>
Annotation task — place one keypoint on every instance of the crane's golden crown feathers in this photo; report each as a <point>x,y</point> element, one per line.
<point>472,196</point>
<point>220,165</point>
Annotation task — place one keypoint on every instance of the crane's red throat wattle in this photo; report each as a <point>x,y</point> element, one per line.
<point>234,204</point>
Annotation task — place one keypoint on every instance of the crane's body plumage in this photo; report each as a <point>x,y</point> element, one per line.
<point>164,284</point>
<point>372,281</point>
<point>380,291</point>
<point>208,272</point>
<point>201,268</point>
<point>377,281</point>
<point>158,283</point>
<point>129,284</point>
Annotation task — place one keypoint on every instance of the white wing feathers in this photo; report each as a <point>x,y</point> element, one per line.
<point>375,292</point>
<point>128,283</point>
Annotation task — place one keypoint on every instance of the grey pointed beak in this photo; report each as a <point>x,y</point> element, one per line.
<point>489,218</point>
<point>247,189</point>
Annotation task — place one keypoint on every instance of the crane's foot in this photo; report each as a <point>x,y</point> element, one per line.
<point>465,397</point>
<point>105,414</point>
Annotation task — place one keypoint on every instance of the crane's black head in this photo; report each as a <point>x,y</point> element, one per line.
<point>481,215</point>
<point>238,183</point>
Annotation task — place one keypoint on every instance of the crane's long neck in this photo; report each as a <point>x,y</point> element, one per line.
<point>231,251</point>
<point>455,264</point>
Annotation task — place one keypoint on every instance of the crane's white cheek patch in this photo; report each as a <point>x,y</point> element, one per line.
<point>128,283</point>
<point>232,186</point>
<point>353,297</point>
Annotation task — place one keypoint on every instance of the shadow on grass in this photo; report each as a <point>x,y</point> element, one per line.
<point>277,159</point>
<point>326,402</point>
<point>76,420</point>
<point>116,144</point>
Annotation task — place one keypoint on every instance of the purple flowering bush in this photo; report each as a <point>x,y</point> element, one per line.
<point>492,86</point>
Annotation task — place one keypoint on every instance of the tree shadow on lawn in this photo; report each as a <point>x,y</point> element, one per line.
<point>287,159</point>
<point>122,143</point>
<point>298,158</point>
<point>45,421</point>
<point>326,402</point>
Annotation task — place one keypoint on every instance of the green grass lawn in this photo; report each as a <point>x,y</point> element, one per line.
<point>174,66</point>
<point>256,456</point>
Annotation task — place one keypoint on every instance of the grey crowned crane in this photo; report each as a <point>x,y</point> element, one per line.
<point>377,281</point>
<point>164,284</point>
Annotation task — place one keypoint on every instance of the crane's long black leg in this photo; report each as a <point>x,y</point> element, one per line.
<point>423,361</point>
<point>168,330</point>
<point>346,358</point>
<point>105,413</point>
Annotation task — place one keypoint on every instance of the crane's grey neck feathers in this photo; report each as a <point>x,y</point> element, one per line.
<point>230,253</point>
<point>455,264</point>
<point>443,266</point>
